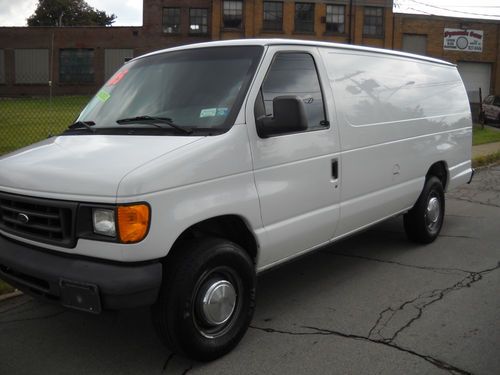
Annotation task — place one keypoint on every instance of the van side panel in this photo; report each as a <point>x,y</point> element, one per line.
<point>396,116</point>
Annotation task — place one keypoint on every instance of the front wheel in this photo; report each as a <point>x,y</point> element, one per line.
<point>424,221</point>
<point>207,300</point>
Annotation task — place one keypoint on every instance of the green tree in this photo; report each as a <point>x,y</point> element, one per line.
<point>68,13</point>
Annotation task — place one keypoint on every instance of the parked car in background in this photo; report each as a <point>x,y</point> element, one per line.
<point>491,109</point>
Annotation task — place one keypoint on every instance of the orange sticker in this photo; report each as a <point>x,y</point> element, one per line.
<point>117,77</point>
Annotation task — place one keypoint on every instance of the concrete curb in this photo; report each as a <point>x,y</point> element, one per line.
<point>15,293</point>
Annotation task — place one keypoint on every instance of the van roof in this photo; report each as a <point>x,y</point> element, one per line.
<point>297,42</point>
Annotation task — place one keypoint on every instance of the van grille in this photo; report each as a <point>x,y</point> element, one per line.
<point>43,220</point>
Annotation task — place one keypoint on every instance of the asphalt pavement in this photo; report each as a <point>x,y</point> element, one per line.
<point>371,304</point>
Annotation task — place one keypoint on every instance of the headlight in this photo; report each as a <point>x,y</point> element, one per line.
<point>104,222</point>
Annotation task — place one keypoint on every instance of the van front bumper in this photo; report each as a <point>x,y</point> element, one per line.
<point>83,284</point>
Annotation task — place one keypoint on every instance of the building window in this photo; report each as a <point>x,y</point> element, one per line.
<point>171,20</point>
<point>273,15</point>
<point>373,21</point>
<point>304,17</point>
<point>232,16</point>
<point>198,21</point>
<point>76,65</point>
<point>335,18</point>
<point>31,66</point>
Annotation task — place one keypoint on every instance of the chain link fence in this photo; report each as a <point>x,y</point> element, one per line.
<point>24,120</point>
<point>33,84</point>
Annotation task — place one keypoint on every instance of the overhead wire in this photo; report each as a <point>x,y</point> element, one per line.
<point>453,10</point>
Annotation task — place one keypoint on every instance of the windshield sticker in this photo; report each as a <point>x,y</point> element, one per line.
<point>103,96</point>
<point>117,77</point>
<point>208,112</point>
<point>222,111</point>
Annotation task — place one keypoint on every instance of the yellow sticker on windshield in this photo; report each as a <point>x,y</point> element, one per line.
<point>103,96</point>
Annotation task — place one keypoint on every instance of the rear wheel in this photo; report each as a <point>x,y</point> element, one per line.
<point>424,221</point>
<point>207,300</point>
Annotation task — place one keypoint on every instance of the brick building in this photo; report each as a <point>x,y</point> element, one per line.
<point>77,60</point>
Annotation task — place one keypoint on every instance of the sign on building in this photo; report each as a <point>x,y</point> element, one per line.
<point>463,40</point>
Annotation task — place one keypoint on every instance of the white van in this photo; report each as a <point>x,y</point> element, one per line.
<point>196,167</point>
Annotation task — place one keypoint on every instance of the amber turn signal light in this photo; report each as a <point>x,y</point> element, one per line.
<point>133,222</point>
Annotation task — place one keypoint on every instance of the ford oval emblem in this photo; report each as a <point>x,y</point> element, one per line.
<point>23,218</point>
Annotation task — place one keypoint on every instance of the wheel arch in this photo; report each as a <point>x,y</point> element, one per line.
<point>231,227</point>
<point>440,170</point>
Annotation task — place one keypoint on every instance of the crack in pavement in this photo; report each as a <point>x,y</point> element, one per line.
<point>12,308</point>
<point>165,365</point>
<point>169,360</point>
<point>476,202</point>
<point>458,236</point>
<point>420,303</point>
<point>427,268</point>
<point>327,332</point>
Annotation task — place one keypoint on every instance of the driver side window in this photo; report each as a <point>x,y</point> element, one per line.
<point>293,73</point>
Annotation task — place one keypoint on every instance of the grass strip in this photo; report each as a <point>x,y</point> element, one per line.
<point>24,121</point>
<point>486,135</point>
<point>482,161</point>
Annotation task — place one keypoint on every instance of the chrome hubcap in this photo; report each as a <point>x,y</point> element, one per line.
<point>433,211</point>
<point>218,302</point>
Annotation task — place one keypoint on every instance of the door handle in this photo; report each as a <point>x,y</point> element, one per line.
<point>335,169</point>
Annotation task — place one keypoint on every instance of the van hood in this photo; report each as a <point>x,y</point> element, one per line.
<point>81,166</point>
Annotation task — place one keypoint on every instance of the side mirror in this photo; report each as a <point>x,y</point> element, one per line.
<point>289,117</point>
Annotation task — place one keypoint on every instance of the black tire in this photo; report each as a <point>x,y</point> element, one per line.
<point>424,221</point>
<point>179,315</point>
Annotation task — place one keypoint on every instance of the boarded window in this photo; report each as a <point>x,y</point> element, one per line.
<point>31,66</point>
<point>114,60</point>
<point>76,65</point>
<point>415,44</point>
<point>2,66</point>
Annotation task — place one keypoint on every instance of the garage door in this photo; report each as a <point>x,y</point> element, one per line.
<point>475,76</point>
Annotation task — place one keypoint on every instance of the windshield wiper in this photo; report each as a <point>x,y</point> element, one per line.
<point>151,120</point>
<point>83,125</point>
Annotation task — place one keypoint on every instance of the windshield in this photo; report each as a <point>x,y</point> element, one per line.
<point>199,88</point>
